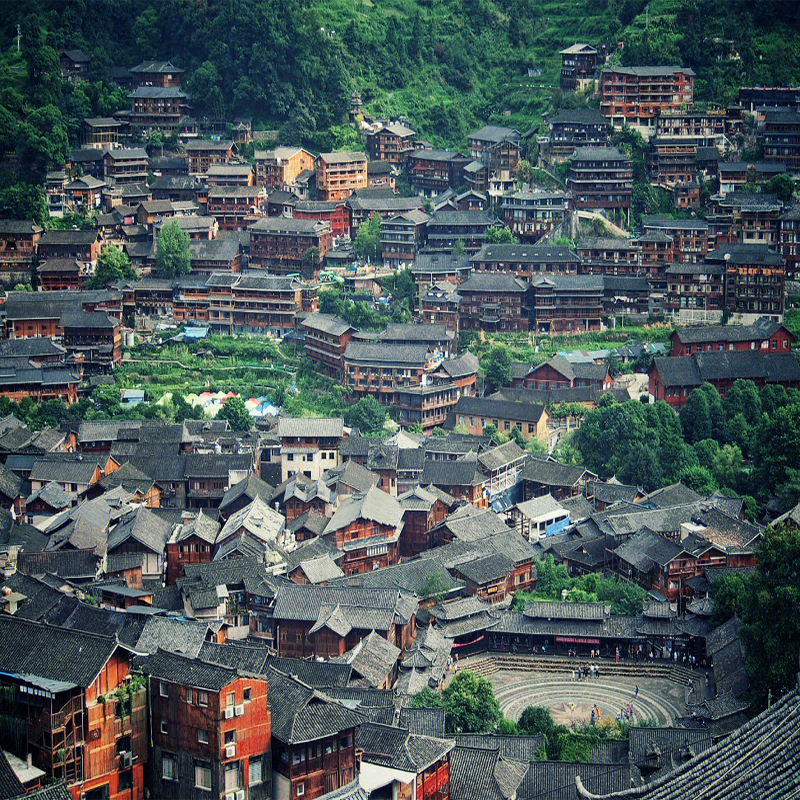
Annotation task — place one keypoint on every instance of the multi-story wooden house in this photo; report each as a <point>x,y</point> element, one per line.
<point>281,245</point>
<point>423,508</point>
<point>690,237</point>
<point>566,303</point>
<point>100,132</point>
<point>779,135</point>
<point>448,226</point>
<point>125,165</point>
<point>497,147</point>
<point>314,741</point>
<point>156,73</point>
<point>696,292</point>
<point>93,339</point>
<point>438,304</point>
<point>235,207</point>
<point>340,174</point>
<point>229,175</point>
<point>335,212</point>
<point>83,245</point>
<point>789,241</point>
<point>525,261</point>
<point>532,214</point>
<point>158,108</point>
<point>578,64</point>
<point>327,621</point>
<point>392,142</point>
<point>280,168</point>
<point>571,128</point>
<point>326,339</point>
<point>210,729</point>
<point>366,528</point>
<point>73,708</point>
<point>403,236</point>
<point>264,304</point>
<point>18,243</point>
<point>602,256</point>
<point>204,154</point>
<point>493,302</point>
<point>600,179</point>
<point>755,278</point>
<point>210,256</point>
<point>431,172</point>
<point>191,542</point>
<point>637,95</point>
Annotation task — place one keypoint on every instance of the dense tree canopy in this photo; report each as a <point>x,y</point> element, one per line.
<point>112,265</point>
<point>173,256</point>
<point>235,411</point>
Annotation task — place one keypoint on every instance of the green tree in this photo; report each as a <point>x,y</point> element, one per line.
<point>367,244</point>
<point>500,235</point>
<point>781,185</point>
<point>696,417</point>
<point>496,365</point>
<point>743,398</point>
<point>458,248</point>
<point>538,721</point>
<point>43,140</point>
<point>707,451</point>
<point>516,436</point>
<point>435,587</point>
<point>173,256</point>
<point>425,698</point>
<point>699,479</point>
<point>368,415</point>
<point>235,411</point>
<point>727,466</point>
<point>731,596</point>
<point>470,704</point>
<point>112,265</point>
<point>770,628</point>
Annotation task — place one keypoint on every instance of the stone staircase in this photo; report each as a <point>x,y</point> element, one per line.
<point>489,664</point>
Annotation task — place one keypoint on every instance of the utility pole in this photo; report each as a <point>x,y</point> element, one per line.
<point>19,35</point>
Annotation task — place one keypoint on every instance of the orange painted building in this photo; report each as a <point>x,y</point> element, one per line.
<point>340,174</point>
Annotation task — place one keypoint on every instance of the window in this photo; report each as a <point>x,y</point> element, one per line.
<point>189,695</point>
<point>230,737</point>
<point>164,727</point>
<point>169,768</point>
<point>230,700</point>
<point>301,789</point>
<point>202,698</point>
<point>255,773</point>
<point>247,694</point>
<point>202,736</point>
<point>202,777</point>
<point>162,689</point>
<point>125,781</point>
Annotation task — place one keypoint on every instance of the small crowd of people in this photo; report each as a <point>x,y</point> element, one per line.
<point>584,671</point>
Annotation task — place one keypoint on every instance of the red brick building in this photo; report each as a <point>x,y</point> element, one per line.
<point>672,379</point>
<point>764,334</point>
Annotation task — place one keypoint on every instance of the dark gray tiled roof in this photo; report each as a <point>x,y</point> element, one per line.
<point>64,563</point>
<point>478,774</point>
<point>395,748</point>
<point>179,636</point>
<point>520,748</point>
<point>142,526</point>
<point>759,757</point>
<point>184,671</point>
<point>302,714</point>
<point>555,780</point>
<point>423,721</point>
<point>72,657</point>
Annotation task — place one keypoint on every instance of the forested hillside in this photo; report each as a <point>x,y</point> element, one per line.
<point>444,63</point>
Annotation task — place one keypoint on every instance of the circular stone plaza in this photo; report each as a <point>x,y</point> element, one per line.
<point>517,683</point>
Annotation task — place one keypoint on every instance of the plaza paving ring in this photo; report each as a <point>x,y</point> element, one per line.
<point>571,701</point>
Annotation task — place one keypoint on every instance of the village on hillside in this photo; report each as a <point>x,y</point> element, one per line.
<point>405,473</point>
